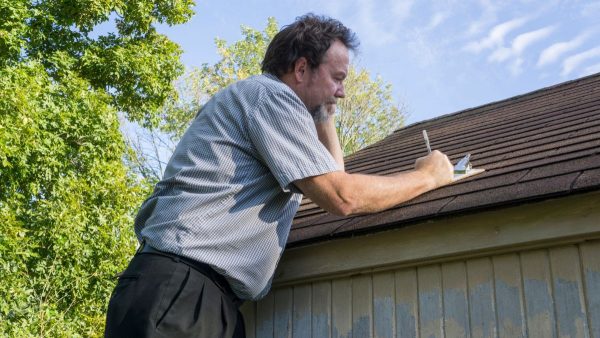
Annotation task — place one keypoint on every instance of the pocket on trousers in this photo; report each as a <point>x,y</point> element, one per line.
<point>122,297</point>
<point>173,294</point>
<point>125,280</point>
<point>195,311</point>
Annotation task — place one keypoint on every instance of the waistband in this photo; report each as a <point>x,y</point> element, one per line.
<point>203,268</point>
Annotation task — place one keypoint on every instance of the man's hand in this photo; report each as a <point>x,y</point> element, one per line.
<point>437,166</point>
<point>325,124</point>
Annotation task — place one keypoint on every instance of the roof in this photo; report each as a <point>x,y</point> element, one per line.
<point>534,146</point>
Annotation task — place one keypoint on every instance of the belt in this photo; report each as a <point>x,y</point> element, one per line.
<point>203,268</point>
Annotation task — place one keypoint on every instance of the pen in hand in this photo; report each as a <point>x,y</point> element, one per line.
<point>427,141</point>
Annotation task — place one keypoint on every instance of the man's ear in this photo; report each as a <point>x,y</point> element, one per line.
<point>300,68</point>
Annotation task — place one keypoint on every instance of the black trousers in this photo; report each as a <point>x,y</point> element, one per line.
<point>160,295</point>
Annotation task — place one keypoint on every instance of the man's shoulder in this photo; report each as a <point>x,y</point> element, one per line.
<point>266,82</point>
<point>263,90</point>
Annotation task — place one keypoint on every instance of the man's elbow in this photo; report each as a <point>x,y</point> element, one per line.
<point>341,211</point>
<point>344,207</point>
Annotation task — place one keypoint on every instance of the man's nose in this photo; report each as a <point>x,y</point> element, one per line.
<point>340,92</point>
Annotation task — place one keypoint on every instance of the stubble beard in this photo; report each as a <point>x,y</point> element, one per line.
<point>320,113</point>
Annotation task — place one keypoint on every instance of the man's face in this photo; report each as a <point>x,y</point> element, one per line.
<point>325,83</point>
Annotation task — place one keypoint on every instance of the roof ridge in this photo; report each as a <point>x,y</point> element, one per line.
<point>506,100</point>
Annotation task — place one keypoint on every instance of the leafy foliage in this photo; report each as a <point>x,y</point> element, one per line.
<point>66,198</point>
<point>368,113</point>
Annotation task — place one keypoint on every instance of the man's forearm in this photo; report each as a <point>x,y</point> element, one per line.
<point>328,136</point>
<point>345,194</point>
<point>349,194</point>
<point>377,193</point>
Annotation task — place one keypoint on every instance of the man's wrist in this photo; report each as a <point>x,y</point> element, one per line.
<point>429,182</point>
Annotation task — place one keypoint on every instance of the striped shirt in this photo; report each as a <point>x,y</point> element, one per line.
<point>227,197</point>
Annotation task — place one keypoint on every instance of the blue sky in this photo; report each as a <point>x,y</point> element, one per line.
<point>439,56</point>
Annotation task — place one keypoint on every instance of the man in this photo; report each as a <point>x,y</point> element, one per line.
<point>216,225</point>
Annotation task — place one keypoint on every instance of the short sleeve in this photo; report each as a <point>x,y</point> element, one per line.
<point>285,137</point>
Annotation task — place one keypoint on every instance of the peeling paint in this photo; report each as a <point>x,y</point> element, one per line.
<point>483,318</point>
<point>568,308</point>
<point>553,302</point>
<point>301,327</point>
<point>456,311</point>
<point>336,334</point>
<point>361,327</point>
<point>592,282</point>
<point>320,325</point>
<point>430,306</point>
<point>510,314</point>
<point>405,321</point>
<point>430,313</point>
<point>537,296</point>
<point>282,322</point>
<point>540,311</point>
<point>264,329</point>
<point>383,317</point>
<point>454,329</point>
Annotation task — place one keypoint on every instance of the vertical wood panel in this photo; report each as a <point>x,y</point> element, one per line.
<point>248,310</point>
<point>541,293</point>
<point>383,305</point>
<point>510,308</point>
<point>362,306</point>
<point>282,325</point>
<point>407,304</point>
<point>264,316</point>
<point>341,310</point>
<point>301,326</point>
<point>568,292</point>
<point>539,305</point>
<point>590,256</point>
<point>480,276</point>
<point>321,309</point>
<point>430,301</point>
<point>456,309</point>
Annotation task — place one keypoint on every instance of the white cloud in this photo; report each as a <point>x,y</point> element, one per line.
<point>555,51</point>
<point>496,36</point>
<point>489,8</point>
<point>519,44</point>
<point>422,50</point>
<point>593,69</point>
<point>516,67</point>
<point>591,9</point>
<point>401,9</point>
<point>501,54</point>
<point>574,61</point>
<point>373,28</point>
<point>436,20</point>
<point>335,7</point>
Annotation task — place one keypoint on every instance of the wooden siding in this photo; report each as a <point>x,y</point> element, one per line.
<point>548,292</point>
<point>547,223</point>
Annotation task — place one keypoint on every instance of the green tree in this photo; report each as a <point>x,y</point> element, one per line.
<point>366,115</point>
<point>153,145</point>
<point>66,198</point>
